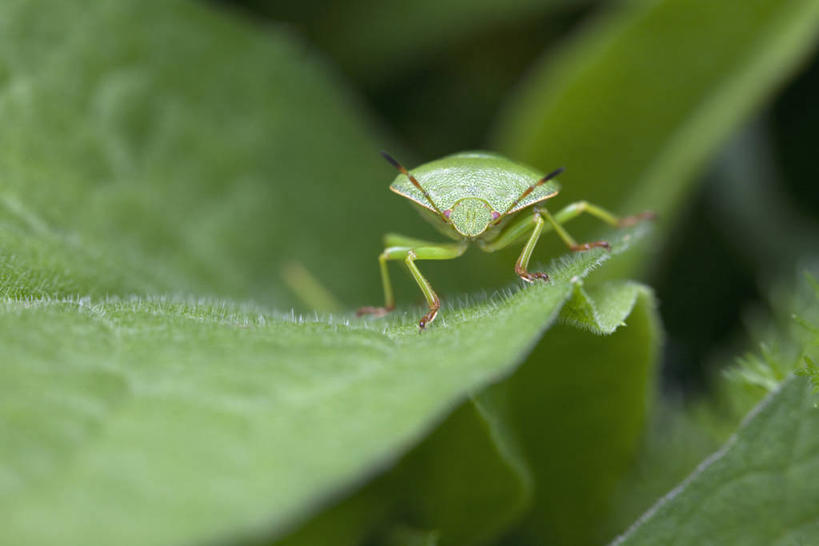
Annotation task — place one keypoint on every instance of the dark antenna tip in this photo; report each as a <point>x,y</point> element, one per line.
<point>391,160</point>
<point>554,173</point>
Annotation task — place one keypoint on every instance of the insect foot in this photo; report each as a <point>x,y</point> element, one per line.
<point>530,277</point>
<point>427,319</point>
<point>374,311</point>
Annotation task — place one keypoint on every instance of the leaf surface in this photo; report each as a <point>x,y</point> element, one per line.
<point>208,418</point>
<point>758,489</point>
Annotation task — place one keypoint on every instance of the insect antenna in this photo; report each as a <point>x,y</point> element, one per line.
<point>530,189</point>
<point>415,183</point>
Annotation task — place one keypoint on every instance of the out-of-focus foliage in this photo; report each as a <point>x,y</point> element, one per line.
<point>650,90</point>
<point>788,344</point>
<point>202,154</point>
<point>407,33</point>
<point>170,171</point>
<point>758,489</point>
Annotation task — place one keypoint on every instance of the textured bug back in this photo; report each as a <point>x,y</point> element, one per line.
<point>483,175</point>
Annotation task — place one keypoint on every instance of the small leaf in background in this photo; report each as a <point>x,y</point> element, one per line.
<point>760,488</point>
<point>681,436</point>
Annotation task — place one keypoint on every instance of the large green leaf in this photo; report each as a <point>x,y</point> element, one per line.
<point>636,103</point>
<point>150,421</point>
<point>760,488</point>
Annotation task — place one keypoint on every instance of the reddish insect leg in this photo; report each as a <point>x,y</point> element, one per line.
<point>568,239</point>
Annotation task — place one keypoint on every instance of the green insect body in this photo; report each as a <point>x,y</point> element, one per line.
<point>481,198</point>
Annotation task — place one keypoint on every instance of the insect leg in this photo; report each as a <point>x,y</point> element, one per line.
<point>409,255</point>
<point>432,298</point>
<point>389,298</point>
<point>576,209</point>
<point>526,253</point>
<point>568,239</point>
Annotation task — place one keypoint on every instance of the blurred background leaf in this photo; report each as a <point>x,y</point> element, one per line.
<point>202,154</point>
<point>375,40</point>
<point>682,434</point>
<point>645,94</point>
<point>758,489</point>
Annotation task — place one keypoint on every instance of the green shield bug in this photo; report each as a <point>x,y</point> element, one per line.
<point>481,198</point>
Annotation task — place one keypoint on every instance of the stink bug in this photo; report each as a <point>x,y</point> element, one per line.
<point>481,198</point>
